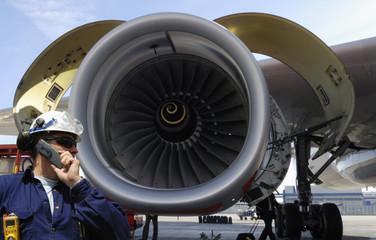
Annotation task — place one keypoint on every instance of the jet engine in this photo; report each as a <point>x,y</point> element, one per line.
<point>176,110</point>
<point>176,114</point>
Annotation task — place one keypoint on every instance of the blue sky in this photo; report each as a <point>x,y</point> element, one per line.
<point>27,27</point>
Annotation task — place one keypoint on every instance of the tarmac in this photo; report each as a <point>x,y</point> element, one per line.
<point>187,228</point>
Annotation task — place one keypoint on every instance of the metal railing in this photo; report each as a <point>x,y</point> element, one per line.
<point>357,210</point>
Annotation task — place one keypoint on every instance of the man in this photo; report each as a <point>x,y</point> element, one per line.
<point>54,203</point>
<point>265,209</point>
<point>145,231</point>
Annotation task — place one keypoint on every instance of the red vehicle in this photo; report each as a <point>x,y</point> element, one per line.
<point>13,161</point>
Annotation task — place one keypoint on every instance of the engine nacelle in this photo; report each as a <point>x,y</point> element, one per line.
<point>354,170</point>
<point>276,162</point>
<point>358,167</point>
<point>176,114</point>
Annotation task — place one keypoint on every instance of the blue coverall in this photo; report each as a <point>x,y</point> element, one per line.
<point>82,212</point>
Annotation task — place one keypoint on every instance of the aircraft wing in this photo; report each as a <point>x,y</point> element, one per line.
<point>7,125</point>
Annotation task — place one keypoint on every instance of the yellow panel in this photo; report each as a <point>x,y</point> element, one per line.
<point>307,55</point>
<point>52,72</point>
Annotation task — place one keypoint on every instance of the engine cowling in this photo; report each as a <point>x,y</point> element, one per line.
<point>176,113</point>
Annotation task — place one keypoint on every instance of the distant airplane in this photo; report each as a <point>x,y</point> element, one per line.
<point>180,119</point>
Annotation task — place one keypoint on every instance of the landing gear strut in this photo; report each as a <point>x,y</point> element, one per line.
<point>323,221</point>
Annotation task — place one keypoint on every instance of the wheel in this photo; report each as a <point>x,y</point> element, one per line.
<point>278,222</point>
<point>291,221</point>
<point>332,222</point>
<point>315,211</point>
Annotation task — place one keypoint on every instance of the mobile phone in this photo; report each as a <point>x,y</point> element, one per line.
<point>47,151</point>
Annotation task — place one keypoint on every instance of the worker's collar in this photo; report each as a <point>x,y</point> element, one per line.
<point>29,175</point>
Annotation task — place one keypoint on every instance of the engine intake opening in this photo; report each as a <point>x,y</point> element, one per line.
<point>175,121</point>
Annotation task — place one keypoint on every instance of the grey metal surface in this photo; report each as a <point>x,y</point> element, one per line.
<point>113,60</point>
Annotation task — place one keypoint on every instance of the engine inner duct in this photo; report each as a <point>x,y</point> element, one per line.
<point>176,121</point>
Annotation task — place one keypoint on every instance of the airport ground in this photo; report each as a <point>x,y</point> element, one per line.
<point>355,228</point>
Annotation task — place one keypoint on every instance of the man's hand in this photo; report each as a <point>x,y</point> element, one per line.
<point>69,173</point>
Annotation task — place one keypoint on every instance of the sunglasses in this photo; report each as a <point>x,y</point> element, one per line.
<point>66,142</point>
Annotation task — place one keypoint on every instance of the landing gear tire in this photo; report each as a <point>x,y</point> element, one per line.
<point>315,211</point>
<point>332,221</point>
<point>291,221</point>
<point>278,222</point>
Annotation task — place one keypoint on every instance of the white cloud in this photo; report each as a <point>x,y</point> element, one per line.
<point>54,18</point>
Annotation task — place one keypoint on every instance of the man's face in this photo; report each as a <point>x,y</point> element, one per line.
<point>62,142</point>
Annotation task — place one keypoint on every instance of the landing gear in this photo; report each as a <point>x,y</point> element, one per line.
<point>315,213</point>
<point>332,227</point>
<point>323,221</point>
<point>291,221</point>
